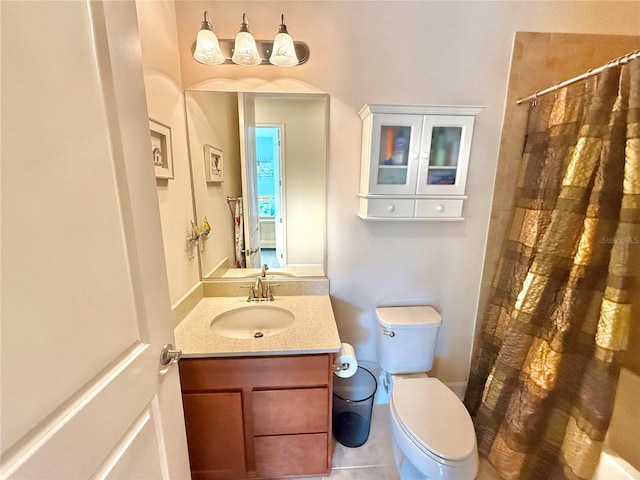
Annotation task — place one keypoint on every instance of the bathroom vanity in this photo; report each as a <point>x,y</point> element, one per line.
<point>258,407</point>
<point>261,417</point>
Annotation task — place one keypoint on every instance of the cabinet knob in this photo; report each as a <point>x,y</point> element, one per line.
<point>425,156</point>
<point>391,208</point>
<point>440,208</point>
<point>414,155</point>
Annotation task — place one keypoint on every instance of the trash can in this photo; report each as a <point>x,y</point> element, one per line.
<point>352,406</point>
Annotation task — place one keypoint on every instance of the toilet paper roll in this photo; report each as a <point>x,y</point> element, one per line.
<point>345,364</point>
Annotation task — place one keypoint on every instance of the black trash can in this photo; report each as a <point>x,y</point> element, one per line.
<point>352,406</point>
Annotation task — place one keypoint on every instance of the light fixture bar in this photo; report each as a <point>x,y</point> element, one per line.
<point>265,48</point>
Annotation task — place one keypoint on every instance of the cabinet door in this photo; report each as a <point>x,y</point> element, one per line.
<point>215,435</point>
<point>444,154</point>
<point>394,153</point>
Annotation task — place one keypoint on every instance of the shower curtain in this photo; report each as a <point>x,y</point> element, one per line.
<point>238,220</point>
<point>546,360</point>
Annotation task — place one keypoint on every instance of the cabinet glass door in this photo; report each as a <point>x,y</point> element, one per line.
<point>393,158</point>
<point>394,154</point>
<point>445,155</point>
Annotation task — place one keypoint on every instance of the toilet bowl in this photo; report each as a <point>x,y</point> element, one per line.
<point>432,433</point>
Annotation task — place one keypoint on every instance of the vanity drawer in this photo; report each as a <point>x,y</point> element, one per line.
<point>387,207</point>
<point>291,455</point>
<point>256,372</point>
<point>282,412</point>
<point>439,207</point>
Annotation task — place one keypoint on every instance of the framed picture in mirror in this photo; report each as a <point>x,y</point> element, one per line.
<point>161,149</point>
<point>213,164</point>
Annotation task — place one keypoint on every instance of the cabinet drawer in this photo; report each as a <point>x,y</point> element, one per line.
<point>291,455</point>
<point>280,412</point>
<point>256,372</point>
<point>439,208</point>
<point>387,207</point>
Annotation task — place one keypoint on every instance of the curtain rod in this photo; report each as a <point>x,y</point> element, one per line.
<point>594,71</point>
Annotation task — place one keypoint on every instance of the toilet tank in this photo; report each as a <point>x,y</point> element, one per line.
<point>406,338</point>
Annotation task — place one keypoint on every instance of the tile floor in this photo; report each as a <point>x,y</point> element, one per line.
<point>374,460</point>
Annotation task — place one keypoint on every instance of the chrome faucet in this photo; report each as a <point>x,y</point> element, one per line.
<point>258,289</point>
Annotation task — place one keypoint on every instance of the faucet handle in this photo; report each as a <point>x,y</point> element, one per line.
<point>252,293</point>
<point>269,293</point>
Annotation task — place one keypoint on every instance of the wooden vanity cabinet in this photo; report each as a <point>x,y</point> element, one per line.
<point>258,417</point>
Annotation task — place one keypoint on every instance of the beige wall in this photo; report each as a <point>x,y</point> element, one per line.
<point>414,52</point>
<point>165,100</point>
<point>305,151</point>
<point>213,120</point>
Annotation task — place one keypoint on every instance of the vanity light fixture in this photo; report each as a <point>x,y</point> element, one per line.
<point>207,49</point>
<point>245,50</point>
<point>283,53</point>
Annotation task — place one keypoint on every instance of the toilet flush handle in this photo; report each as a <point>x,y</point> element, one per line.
<point>391,334</point>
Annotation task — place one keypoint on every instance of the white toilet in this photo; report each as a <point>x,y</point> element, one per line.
<point>433,436</point>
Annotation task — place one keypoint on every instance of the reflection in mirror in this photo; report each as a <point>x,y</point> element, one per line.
<point>270,207</point>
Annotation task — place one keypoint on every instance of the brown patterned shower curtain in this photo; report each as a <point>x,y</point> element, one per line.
<point>546,361</point>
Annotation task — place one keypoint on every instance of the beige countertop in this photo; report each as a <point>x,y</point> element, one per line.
<point>314,329</point>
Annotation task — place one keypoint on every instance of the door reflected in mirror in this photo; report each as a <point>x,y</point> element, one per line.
<point>271,207</point>
<point>270,192</point>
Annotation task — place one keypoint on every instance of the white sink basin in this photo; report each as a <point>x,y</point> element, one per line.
<point>255,321</point>
<point>270,275</point>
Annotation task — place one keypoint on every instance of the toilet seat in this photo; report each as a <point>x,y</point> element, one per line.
<point>433,418</point>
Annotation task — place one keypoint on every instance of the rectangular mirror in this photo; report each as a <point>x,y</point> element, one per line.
<point>263,189</point>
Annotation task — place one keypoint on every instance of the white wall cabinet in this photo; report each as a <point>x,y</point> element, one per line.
<point>414,161</point>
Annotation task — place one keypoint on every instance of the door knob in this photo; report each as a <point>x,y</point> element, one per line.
<point>249,251</point>
<point>170,355</point>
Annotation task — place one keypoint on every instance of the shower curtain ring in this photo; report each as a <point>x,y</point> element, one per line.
<point>623,60</point>
<point>588,75</point>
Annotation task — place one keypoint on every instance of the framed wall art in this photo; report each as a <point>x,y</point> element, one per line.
<point>161,149</point>
<point>213,164</point>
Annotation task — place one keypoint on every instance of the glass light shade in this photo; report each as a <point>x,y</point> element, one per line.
<point>284,52</point>
<point>207,49</point>
<point>245,51</point>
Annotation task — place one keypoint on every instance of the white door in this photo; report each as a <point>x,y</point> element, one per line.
<point>85,303</point>
<point>280,227</point>
<point>248,167</point>
<point>273,134</point>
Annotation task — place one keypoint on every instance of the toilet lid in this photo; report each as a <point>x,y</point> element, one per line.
<point>417,316</point>
<point>434,416</point>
